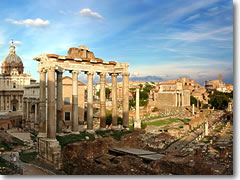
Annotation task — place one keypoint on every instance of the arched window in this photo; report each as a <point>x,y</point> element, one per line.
<point>14,85</point>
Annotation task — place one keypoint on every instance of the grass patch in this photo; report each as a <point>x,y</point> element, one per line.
<point>117,134</point>
<point>167,121</point>
<point>5,146</point>
<point>103,133</point>
<point>72,138</point>
<point>28,157</point>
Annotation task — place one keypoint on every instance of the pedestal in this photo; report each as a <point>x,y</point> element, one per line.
<point>50,152</point>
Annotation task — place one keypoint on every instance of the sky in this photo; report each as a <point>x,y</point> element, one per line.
<point>160,39</point>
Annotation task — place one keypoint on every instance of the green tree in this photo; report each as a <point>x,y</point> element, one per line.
<point>220,100</point>
<point>107,93</point>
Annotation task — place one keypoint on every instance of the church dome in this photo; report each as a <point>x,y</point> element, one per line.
<point>12,61</point>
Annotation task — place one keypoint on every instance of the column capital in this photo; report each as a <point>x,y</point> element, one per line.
<point>75,72</point>
<point>51,68</point>
<point>89,73</point>
<point>125,74</point>
<point>113,74</point>
<point>102,74</point>
<point>43,70</point>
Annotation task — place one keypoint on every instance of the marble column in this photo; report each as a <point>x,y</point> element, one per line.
<point>206,128</point>
<point>59,102</point>
<point>193,109</point>
<point>75,102</point>
<point>27,115</point>
<point>176,99</point>
<point>137,123</point>
<point>102,101</point>
<point>114,101</point>
<point>51,122</point>
<point>90,102</point>
<point>198,103</point>
<point>126,100</point>
<point>183,103</point>
<point>42,103</point>
<point>36,116</point>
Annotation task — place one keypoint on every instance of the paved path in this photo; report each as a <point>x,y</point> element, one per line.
<point>28,169</point>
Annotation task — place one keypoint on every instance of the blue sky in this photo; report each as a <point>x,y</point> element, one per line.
<point>160,39</point>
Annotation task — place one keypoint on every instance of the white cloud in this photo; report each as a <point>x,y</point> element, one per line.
<point>192,17</point>
<point>89,13</point>
<point>15,42</point>
<point>62,12</point>
<point>135,74</point>
<point>30,22</point>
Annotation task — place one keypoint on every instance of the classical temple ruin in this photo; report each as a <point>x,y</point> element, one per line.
<point>78,60</point>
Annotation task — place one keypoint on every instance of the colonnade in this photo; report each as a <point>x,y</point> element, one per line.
<point>179,99</point>
<point>53,122</point>
<point>30,116</point>
<point>6,102</point>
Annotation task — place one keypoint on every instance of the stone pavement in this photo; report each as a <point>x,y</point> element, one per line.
<point>28,169</point>
<point>24,136</point>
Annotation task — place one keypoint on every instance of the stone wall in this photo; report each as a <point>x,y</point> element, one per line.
<point>166,99</point>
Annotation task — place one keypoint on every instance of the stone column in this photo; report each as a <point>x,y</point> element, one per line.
<point>90,102</point>
<point>51,122</point>
<point>137,123</point>
<point>126,100</point>
<point>36,116</point>
<point>206,128</point>
<point>198,103</point>
<point>75,102</point>
<point>193,109</point>
<point>183,103</point>
<point>176,99</point>
<point>27,125</point>
<point>102,101</point>
<point>114,101</point>
<point>42,103</point>
<point>59,102</point>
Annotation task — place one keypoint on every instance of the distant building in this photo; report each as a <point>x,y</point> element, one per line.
<point>212,85</point>
<point>12,81</point>
<point>31,103</point>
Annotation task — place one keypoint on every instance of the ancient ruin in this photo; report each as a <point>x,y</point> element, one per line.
<point>78,60</point>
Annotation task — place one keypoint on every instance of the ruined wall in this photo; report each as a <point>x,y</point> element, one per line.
<point>186,98</point>
<point>166,99</point>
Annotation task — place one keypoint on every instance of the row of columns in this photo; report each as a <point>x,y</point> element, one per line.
<point>30,122</point>
<point>52,123</point>
<point>6,102</point>
<point>179,99</point>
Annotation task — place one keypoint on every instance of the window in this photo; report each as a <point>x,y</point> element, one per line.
<point>14,85</point>
<point>66,100</point>
<point>67,116</point>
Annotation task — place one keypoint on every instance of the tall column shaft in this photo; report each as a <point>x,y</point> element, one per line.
<point>59,102</point>
<point>206,128</point>
<point>137,123</point>
<point>75,101</point>
<point>193,109</point>
<point>51,121</point>
<point>125,100</point>
<point>90,102</point>
<point>27,114</point>
<point>114,101</point>
<point>102,101</point>
<point>42,103</point>
<point>36,115</point>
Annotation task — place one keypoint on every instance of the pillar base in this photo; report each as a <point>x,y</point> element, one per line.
<point>50,152</point>
<point>91,131</point>
<point>116,128</point>
<point>103,129</point>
